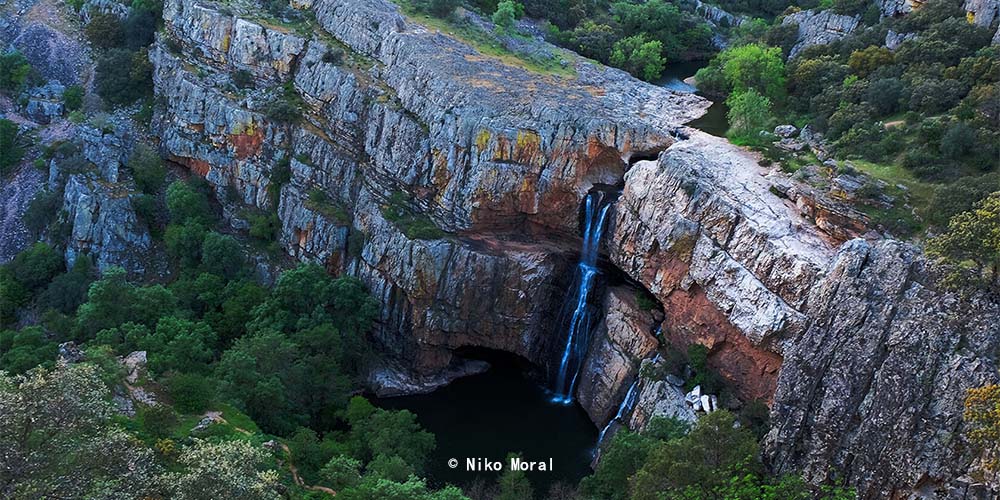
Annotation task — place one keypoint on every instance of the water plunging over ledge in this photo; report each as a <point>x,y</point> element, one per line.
<point>577,317</point>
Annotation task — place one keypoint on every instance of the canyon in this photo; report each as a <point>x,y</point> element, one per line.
<point>863,358</point>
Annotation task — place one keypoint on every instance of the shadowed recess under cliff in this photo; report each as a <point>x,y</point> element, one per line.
<point>578,313</point>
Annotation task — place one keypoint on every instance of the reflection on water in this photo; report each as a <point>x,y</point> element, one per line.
<point>714,121</point>
<point>498,412</point>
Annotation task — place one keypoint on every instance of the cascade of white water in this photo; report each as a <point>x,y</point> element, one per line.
<point>596,209</point>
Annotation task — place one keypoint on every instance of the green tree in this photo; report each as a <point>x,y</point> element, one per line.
<point>700,464</point>
<point>104,31</point>
<point>186,203</point>
<point>35,267</point>
<point>227,469</point>
<point>58,421</point>
<point>147,169</point>
<point>514,484</point>
<point>439,8</point>
<point>14,71</point>
<point>749,114</point>
<point>342,471</point>
<point>621,458</point>
<point>191,393</point>
<point>68,290</point>
<point>73,97</point>
<point>973,236</point>
<point>638,56</point>
<point>755,67</point>
<point>184,243</point>
<point>507,12</point>
<point>180,345</point>
<point>262,374</point>
<point>23,350</point>
<point>222,255</point>
<point>113,301</point>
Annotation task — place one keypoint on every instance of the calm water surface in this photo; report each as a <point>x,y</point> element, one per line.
<point>497,412</point>
<point>714,121</point>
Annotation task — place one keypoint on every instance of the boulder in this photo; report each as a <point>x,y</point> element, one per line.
<point>819,28</point>
<point>785,131</point>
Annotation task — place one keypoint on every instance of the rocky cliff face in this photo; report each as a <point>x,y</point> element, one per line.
<point>450,182</point>
<point>819,28</point>
<point>494,155</point>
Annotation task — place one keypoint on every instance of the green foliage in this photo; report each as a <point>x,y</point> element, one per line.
<point>113,301</point>
<point>11,149</point>
<point>701,462</point>
<point>14,71</point>
<point>439,8</point>
<point>710,381</point>
<point>514,484</point>
<point>754,67</point>
<point>184,243</point>
<point>287,107</point>
<point>638,56</point>
<point>105,31</point>
<point>140,26</point>
<point>187,204</point>
<point>68,290</point>
<point>25,349</point>
<point>376,432</point>
<point>147,169</point>
<point>222,255</point>
<point>36,266</point>
<point>973,236</point>
<point>749,114</point>
<point>41,211</point>
<point>123,77</point>
<point>507,12</point>
<point>179,344</point>
<point>242,78</point>
<point>341,472</point>
<point>73,97</point>
<point>190,393</point>
<point>156,420</point>
<point>621,458</point>
<point>414,225</point>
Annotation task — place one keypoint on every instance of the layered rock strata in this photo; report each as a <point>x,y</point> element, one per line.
<point>450,182</point>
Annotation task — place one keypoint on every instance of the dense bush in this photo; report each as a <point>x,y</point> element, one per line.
<point>122,76</point>
<point>14,71</point>
<point>11,149</point>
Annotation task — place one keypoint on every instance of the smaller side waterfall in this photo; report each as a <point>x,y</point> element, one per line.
<point>578,315</point>
<point>624,409</point>
<point>628,404</point>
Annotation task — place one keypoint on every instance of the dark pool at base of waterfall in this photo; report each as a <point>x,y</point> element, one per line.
<point>714,120</point>
<point>497,412</point>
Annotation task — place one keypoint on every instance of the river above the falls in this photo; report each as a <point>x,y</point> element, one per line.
<point>497,412</point>
<point>714,121</point>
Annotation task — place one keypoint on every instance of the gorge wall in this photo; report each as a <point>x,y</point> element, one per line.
<point>864,360</point>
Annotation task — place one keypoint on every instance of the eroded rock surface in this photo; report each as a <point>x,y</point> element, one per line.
<point>483,166</point>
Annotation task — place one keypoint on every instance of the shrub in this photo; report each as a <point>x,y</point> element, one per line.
<point>333,56</point>
<point>147,169</point>
<point>638,56</point>
<point>265,227</point>
<point>157,420</point>
<point>41,211</point>
<point>439,8</point>
<point>105,31</point>
<point>11,149</point>
<point>191,393</point>
<point>221,255</point>
<point>123,77</point>
<point>957,141</point>
<point>507,12</point>
<point>14,70</point>
<point>242,78</point>
<point>416,226</point>
<point>185,203</point>
<point>139,27</point>
<point>73,97</point>
<point>287,107</point>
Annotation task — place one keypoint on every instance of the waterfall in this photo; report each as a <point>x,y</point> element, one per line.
<point>628,404</point>
<point>579,323</point>
<point>624,409</point>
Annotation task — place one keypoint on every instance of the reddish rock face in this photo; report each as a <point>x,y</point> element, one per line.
<point>692,319</point>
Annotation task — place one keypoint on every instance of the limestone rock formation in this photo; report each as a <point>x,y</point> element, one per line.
<point>105,226</point>
<point>819,28</point>
<point>450,182</point>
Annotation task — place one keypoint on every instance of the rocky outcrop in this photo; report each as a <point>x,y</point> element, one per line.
<point>819,28</point>
<point>450,183</point>
<point>865,359</point>
<point>495,155</point>
<point>619,344</point>
<point>716,15</point>
<point>105,226</point>
<point>873,390</point>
